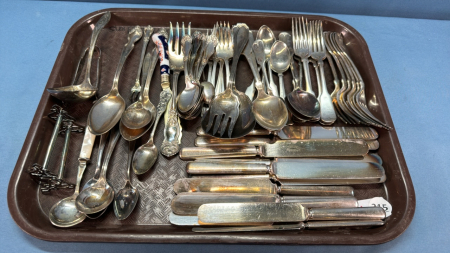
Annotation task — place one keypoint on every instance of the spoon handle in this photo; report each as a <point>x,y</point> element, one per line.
<point>172,127</point>
<point>98,28</point>
<point>281,84</point>
<point>240,39</point>
<point>131,145</point>
<point>85,155</point>
<point>101,148</point>
<point>112,143</point>
<point>147,32</point>
<point>152,65</point>
<point>134,35</point>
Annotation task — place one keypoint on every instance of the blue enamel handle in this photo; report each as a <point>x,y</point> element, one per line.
<point>161,43</point>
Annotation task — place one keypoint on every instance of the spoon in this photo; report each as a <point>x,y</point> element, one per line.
<point>142,112</point>
<point>64,213</point>
<point>126,199</point>
<point>268,38</point>
<point>107,111</point>
<point>146,155</point>
<point>189,96</point>
<point>279,62</point>
<point>98,196</point>
<point>85,90</point>
<point>270,111</point>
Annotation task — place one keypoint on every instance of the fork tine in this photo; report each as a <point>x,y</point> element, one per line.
<point>224,125</point>
<point>230,38</point>
<point>189,28</point>
<point>177,40</point>
<point>170,36</point>
<point>233,119</point>
<point>321,36</point>
<point>217,123</point>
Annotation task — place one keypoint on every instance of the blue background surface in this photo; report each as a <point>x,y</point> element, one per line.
<point>411,57</point>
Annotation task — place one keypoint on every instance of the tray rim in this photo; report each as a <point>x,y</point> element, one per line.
<point>123,236</point>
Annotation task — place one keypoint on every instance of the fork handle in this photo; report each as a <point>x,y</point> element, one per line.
<point>308,87</point>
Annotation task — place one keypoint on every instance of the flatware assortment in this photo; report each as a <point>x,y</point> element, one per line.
<point>305,172</point>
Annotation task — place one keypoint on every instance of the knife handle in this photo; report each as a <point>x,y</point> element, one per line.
<point>322,201</point>
<point>316,190</point>
<point>343,223</point>
<point>361,213</point>
<point>191,153</point>
<point>226,168</point>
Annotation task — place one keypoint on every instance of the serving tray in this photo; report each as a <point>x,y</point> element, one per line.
<point>149,222</point>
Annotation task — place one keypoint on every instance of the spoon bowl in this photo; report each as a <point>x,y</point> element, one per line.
<point>304,103</point>
<point>65,214</point>
<point>208,91</point>
<point>144,158</point>
<point>270,112</point>
<point>188,98</point>
<point>95,198</point>
<point>125,201</point>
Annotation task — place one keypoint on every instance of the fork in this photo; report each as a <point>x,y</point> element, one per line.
<point>302,47</point>
<point>225,106</point>
<point>224,51</point>
<point>136,89</point>
<point>172,126</point>
<point>318,53</point>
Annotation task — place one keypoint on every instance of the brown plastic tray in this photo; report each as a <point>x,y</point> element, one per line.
<point>149,222</point>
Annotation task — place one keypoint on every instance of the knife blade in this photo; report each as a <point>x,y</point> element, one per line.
<point>283,148</point>
<point>297,226</point>
<point>309,172</point>
<point>187,203</point>
<point>255,186</point>
<point>314,132</point>
<point>281,212</point>
<point>186,220</point>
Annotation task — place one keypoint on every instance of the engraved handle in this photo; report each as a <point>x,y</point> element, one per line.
<point>225,185</point>
<point>147,32</point>
<point>362,213</point>
<point>226,168</point>
<point>262,132</point>
<point>172,129</point>
<point>134,35</point>
<point>164,99</point>
<point>98,27</point>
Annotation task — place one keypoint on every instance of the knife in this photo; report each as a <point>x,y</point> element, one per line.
<point>255,185</point>
<point>252,141</point>
<point>302,173</point>
<point>314,132</point>
<point>281,212</point>
<point>297,226</point>
<point>187,203</point>
<point>283,148</point>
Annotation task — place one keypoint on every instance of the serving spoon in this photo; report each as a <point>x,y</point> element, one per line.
<point>107,111</point>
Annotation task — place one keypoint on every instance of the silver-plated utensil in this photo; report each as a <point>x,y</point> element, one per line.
<point>127,198</point>
<point>64,213</point>
<point>97,197</point>
<point>187,203</point>
<point>146,155</point>
<point>256,185</point>
<point>85,90</point>
<point>281,212</point>
<point>136,89</point>
<point>107,111</point>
